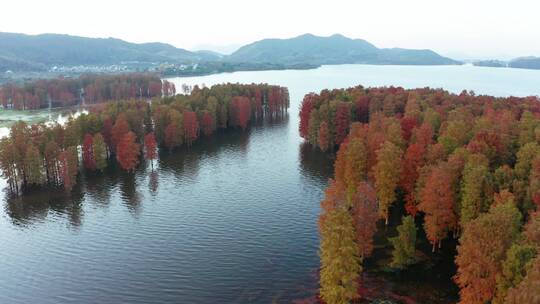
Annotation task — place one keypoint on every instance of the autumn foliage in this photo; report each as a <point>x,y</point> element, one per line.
<point>150,146</point>
<point>120,128</point>
<point>240,112</point>
<point>482,248</point>
<point>305,112</point>
<point>462,166</point>
<point>437,203</point>
<point>365,216</point>
<point>47,155</point>
<point>88,152</point>
<point>191,127</point>
<point>88,89</point>
<point>127,152</point>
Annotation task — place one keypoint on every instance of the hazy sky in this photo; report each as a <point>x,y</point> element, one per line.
<point>459,28</point>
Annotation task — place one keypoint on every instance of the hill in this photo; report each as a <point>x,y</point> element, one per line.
<point>36,52</point>
<point>335,49</point>
<point>525,63</point>
<point>72,55</point>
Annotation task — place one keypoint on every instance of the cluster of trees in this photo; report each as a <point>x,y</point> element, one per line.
<point>462,166</point>
<point>49,155</point>
<point>88,88</point>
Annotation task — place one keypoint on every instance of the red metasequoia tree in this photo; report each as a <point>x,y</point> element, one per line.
<point>120,128</point>
<point>362,109</point>
<point>240,110</point>
<point>482,247</point>
<point>437,202</point>
<point>172,136</point>
<point>68,167</point>
<point>365,215</point>
<point>150,147</point>
<point>258,103</point>
<point>323,139</point>
<point>407,126</point>
<point>305,112</point>
<point>413,161</point>
<point>127,152</point>
<point>191,127</point>
<point>67,180</point>
<point>423,135</point>
<point>208,124</point>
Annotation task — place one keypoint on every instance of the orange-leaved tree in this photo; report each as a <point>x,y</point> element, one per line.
<point>127,152</point>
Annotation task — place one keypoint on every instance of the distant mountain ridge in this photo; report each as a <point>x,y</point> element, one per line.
<point>39,51</point>
<point>20,52</point>
<point>530,62</point>
<point>335,49</point>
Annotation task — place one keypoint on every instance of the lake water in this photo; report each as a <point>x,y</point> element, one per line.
<point>233,219</point>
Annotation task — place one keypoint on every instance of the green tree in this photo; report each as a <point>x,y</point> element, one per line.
<point>514,269</point>
<point>503,177</point>
<point>394,134</point>
<point>404,244</point>
<point>527,290</point>
<point>323,137</point>
<point>387,174</point>
<point>525,156</point>
<point>355,164</point>
<point>340,265</point>
<point>527,126</point>
<point>100,152</point>
<point>72,134</point>
<point>522,171</point>
<point>51,153</point>
<point>33,163</point>
<point>314,126</point>
<point>474,188</point>
<point>432,118</point>
<point>456,134</point>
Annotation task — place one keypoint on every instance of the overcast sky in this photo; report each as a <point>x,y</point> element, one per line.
<point>460,28</point>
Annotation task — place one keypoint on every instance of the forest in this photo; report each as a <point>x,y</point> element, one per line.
<point>123,133</point>
<point>86,89</point>
<point>460,168</point>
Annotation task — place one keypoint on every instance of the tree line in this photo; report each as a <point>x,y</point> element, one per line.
<point>89,89</point>
<point>124,132</point>
<point>463,166</point>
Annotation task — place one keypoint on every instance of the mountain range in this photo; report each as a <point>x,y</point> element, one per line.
<point>336,49</point>
<point>20,52</point>
<point>530,62</point>
<point>26,52</point>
